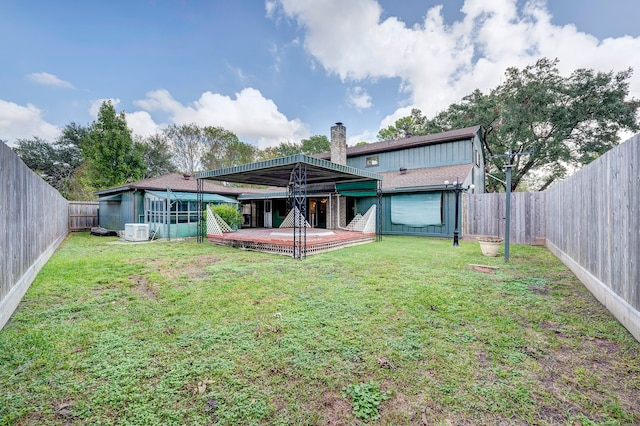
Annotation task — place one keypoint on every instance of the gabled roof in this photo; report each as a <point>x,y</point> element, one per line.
<point>428,177</point>
<point>176,182</point>
<point>277,172</point>
<point>410,142</point>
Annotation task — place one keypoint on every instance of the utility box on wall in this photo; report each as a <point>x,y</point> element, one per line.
<point>136,231</point>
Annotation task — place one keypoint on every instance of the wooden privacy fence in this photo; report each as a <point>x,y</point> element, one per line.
<point>83,215</point>
<point>593,226</point>
<point>33,222</point>
<point>485,214</point>
<point>590,221</point>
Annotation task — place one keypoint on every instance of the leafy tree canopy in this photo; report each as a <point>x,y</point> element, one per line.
<point>156,155</point>
<point>563,122</point>
<point>195,148</point>
<point>109,150</point>
<point>314,145</point>
<point>224,149</point>
<point>56,163</point>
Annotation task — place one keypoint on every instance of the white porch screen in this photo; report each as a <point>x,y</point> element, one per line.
<point>417,210</point>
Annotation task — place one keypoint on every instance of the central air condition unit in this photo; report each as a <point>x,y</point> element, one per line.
<point>136,231</point>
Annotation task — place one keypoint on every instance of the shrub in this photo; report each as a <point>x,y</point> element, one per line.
<point>230,214</point>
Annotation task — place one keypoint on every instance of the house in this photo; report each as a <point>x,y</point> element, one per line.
<point>411,180</point>
<point>168,203</point>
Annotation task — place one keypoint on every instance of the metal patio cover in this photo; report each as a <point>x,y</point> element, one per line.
<point>278,172</point>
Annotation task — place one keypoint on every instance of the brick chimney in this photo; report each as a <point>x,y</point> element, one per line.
<point>339,144</point>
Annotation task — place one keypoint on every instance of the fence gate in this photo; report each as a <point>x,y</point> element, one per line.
<point>83,215</point>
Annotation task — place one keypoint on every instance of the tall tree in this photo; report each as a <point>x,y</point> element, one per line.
<point>561,122</point>
<point>224,149</point>
<point>109,150</point>
<point>39,155</point>
<point>314,145</point>
<point>188,146</point>
<point>285,149</point>
<point>69,159</point>
<point>317,144</point>
<point>156,155</point>
<point>57,163</point>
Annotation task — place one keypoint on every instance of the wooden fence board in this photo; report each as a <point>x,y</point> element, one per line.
<point>485,214</point>
<point>33,219</point>
<point>83,215</point>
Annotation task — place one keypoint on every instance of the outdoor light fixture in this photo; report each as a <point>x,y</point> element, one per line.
<point>457,188</point>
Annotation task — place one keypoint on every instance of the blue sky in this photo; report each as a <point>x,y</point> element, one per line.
<point>283,70</point>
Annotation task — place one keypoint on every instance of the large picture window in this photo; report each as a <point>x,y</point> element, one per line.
<point>417,210</point>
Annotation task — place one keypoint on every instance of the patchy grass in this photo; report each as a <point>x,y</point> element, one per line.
<point>186,333</point>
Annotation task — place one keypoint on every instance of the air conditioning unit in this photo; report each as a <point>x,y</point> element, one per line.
<point>136,231</point>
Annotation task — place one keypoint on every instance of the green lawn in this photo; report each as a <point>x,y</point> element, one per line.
<point>185,333</point>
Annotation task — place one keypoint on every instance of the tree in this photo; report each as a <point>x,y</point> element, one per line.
<point>58,163</point>
<point>156,155</point>
<point>317,144</point>
<point>268,153</point>
<point>286,149</point>
<point>188,146</point>
<point>109,150</point>
<point>39,155</point>
<point>224,149</point>
<point>561,122</point>
<point>314,145</point>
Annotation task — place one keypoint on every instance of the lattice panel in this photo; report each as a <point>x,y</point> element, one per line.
<point>288,221</point>
<point>215,224</point>
<point>364,223</point>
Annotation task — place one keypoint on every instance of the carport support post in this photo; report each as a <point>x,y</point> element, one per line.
<point>299,194</point>
<point>379,211</point>
<point>200,227</point>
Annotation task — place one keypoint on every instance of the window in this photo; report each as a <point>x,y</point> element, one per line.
<point>417,210</point>
<point>477,151</point>
<point>371,161</point>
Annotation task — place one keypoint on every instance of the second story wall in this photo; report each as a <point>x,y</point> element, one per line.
<point>442,154</point>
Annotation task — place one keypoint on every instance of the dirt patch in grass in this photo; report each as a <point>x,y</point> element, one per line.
<point>334,409</point>
<point>143,287</point>
<point>191,267</point>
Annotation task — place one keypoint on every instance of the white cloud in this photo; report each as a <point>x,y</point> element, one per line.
<point>49,80</point>
<point>24,122</point>
<point>141,123</point>
<point>251,116</point>
<point>359,98</point>
<point>366,137</point>
<point>440,63</point>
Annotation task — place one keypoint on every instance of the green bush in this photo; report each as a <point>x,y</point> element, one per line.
<point>230,214</point>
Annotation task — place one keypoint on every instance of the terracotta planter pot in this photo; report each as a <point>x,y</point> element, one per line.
<point>490,245</point>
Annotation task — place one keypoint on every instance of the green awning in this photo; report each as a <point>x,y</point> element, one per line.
<point>367,188</point>
<point>192,196</point>
<point>116,197</point>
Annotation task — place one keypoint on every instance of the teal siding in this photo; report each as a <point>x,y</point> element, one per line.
<point>115,214</point>
<point>442,154</point>
<point>388,228</point>
<point>109,215</point>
